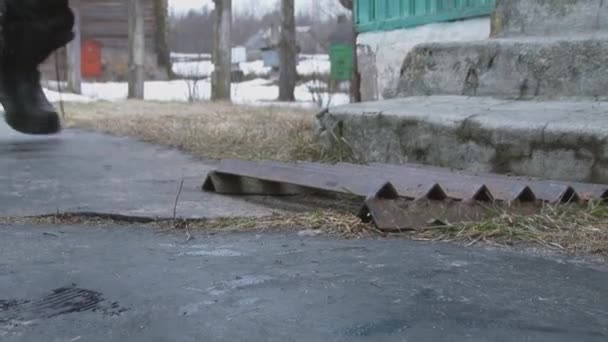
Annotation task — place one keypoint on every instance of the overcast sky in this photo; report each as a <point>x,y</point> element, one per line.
<point>259,6</point>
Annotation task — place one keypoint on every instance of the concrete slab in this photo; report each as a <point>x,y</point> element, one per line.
<point>549,17</point>
<point>130,284</point>
<point>565,140</point>
<point>516,68</point>
<point>88,172</point>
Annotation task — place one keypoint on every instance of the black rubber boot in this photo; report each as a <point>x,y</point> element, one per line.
<point>26,108</point>
<point>31,31</point>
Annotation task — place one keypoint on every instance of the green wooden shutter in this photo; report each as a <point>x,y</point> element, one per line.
<point>379,15</point>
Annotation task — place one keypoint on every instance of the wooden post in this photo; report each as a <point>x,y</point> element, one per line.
<point>355,83</point>
<point>73,53</point>
<point>137,49</point>
<point>287,52</point>
<point>222,51</point>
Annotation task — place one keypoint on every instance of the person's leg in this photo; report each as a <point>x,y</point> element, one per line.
<point>31,31</point>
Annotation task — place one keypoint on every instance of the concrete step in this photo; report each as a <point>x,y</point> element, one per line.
<point>517,68</point>
<point>549,17</point>
<point>561,140</point>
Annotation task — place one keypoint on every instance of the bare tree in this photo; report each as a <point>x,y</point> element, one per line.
<point>185,29</point>
<point>74,53</point>
<point>137,50</point>
<point>222,51</point>
<point>287,52</point>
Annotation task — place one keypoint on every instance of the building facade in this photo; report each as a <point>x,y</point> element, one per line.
<point>105,41</point>
<point>389,29</point>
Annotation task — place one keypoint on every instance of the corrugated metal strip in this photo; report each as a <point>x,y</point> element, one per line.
<point>380,185</point>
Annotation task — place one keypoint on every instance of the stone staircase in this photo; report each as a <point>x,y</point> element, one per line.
<point>516,68</point>
<point>527,101</point>
<point>542,18</point>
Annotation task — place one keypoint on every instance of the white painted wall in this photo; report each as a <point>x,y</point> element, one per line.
<point>381,54</point>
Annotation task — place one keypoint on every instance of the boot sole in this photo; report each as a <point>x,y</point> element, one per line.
<point>43,125</point>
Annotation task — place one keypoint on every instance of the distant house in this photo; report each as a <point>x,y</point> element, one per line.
<point>105,41</point>
<point>268,40</point>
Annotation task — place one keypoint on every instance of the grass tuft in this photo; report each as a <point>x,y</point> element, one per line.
<point>570,228</point>
<point>209,130</point>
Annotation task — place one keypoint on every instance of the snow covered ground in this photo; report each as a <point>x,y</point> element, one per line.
<point>255,92</point>
<point>191,56</point>
<point>258,91</point>
<point>191,65</point>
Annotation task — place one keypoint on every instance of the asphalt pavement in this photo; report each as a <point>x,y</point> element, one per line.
<point>79,172</point>
<point>135,283</point>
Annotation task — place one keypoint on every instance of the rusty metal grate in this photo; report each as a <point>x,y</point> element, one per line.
<point>381,185</point>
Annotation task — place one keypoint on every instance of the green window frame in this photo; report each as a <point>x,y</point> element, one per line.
<point>384,15</point>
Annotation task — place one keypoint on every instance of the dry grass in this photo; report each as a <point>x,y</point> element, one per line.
<point>324,221</point>
<point>572,228</point>
<point>205,129</point>
<point>569,229</point>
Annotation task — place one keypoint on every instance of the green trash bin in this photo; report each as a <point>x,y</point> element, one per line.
<point>341,58</point>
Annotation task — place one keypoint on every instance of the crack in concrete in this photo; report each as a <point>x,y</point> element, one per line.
<point>598,17</point>
<point>542,133</point>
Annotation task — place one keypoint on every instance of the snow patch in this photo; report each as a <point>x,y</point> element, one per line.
<point>255,92</point>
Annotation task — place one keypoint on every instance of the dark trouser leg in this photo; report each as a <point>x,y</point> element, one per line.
<point>31,31</point>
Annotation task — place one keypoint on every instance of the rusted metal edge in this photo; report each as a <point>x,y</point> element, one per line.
<point>393,216</point>
<point>419,186</point>
<point>506,188</point>
<point>381,186</point>
<point>378,207</point>
<point>424,189</point>
<point>261,178</point>
<point>257,179</point>
<point>412,182</point>
<point>483,194</point>
<point>384,213</point>
<point>560,193</point>
<point>230,184</point>
<point>461,188</point>
<point>500,189</point>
